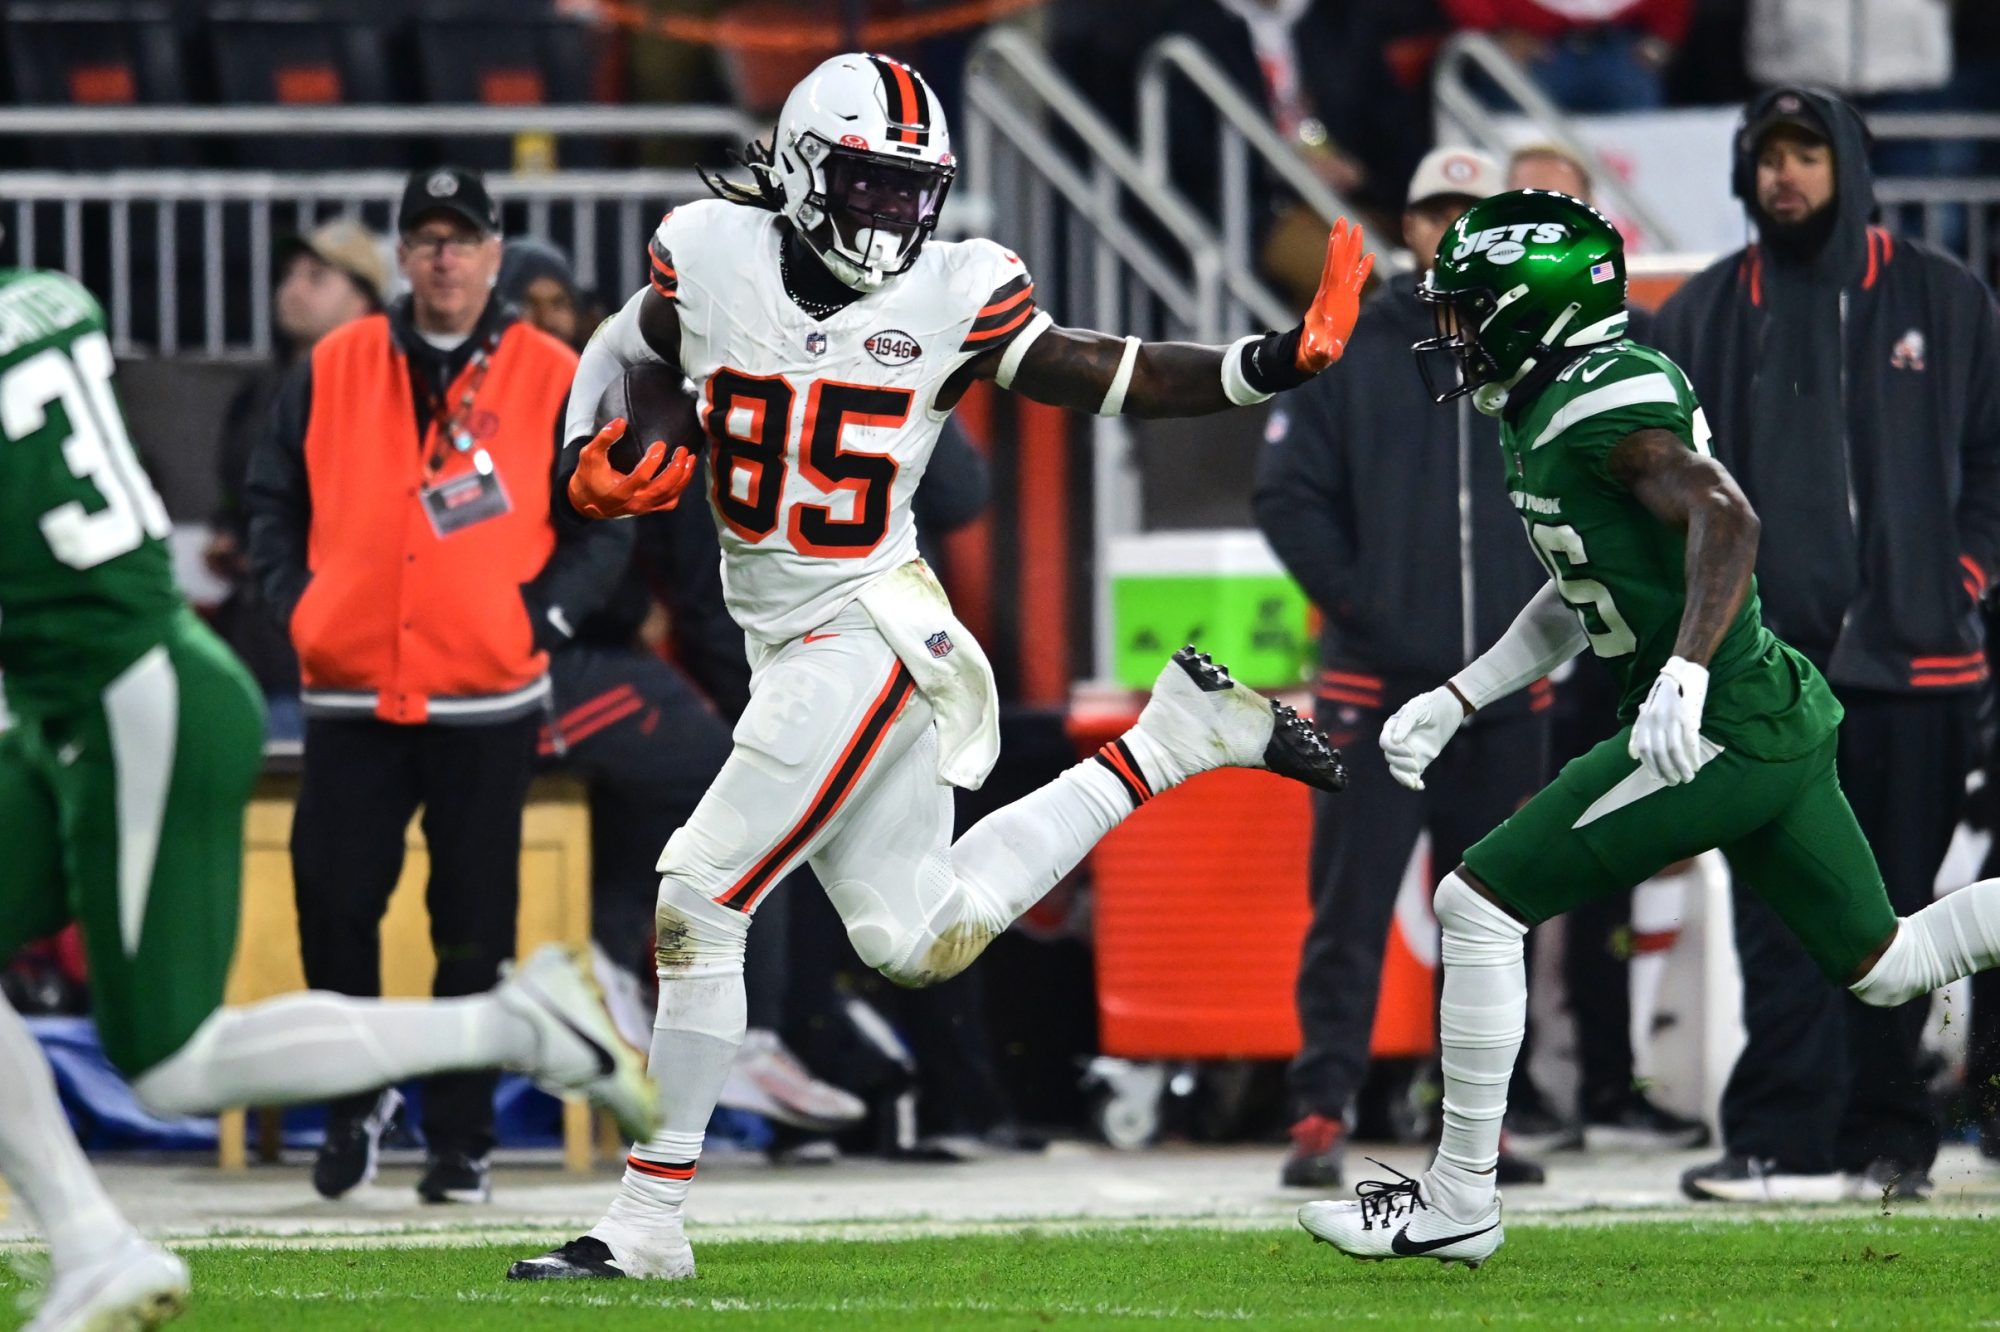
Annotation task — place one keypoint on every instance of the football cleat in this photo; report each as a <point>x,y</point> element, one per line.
<point>1396,1221</point>
<point>1318,1145</point>
<point>667,1257</point>
<point>767,1079</point>
<point>132,1287</point>
<point>1204,719</point>
<point>578,1048</point>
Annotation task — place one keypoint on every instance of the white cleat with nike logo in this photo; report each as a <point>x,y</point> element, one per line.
<point>577,1045</point>
<point>1397,1221</point>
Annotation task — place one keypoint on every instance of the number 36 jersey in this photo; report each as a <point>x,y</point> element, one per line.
<point>1623,571</point>
<point>821,428</point>
<point>86,583</point>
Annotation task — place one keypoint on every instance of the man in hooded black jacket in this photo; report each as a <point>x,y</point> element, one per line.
<point>1852,381</point>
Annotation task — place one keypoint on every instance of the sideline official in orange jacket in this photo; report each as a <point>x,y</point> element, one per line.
<point>402,529</point>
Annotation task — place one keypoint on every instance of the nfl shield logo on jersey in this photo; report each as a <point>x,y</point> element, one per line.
<point>816,343</point>
<point>939,643</point>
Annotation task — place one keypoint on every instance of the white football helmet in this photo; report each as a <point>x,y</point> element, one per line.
<point>865,161</point>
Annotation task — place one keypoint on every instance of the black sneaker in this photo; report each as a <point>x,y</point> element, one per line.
<point>1533,1123</point>
<point>586,1257</point>
<point>1318,1145</point>
<point>353,1145</point>
<point>1514,1169</point>
<point>1636,1124</point>
<point>1755,1179</point>
<point>455,1177</point>
<point>1891,1181</point>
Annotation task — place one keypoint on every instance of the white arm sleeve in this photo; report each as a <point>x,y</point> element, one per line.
<point>1543,636</point>
<point>616,345</point>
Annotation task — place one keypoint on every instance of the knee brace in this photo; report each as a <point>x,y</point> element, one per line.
<point>694,937</point>
<point>945,925</point>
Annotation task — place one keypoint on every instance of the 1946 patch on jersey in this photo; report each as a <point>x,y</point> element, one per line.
<point>892,347</point>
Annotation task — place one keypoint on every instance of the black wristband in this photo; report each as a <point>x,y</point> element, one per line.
<point>1271,364</point>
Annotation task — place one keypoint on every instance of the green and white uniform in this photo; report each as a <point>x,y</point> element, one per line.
<point>136,734</point>
<point>1769,797</point>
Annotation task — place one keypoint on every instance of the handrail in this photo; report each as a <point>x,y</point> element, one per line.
<point>1026,61</point>
<point>1457,102</point>
<point>1179,54</point>
<point>668,120</point>
<point>1934,124</point>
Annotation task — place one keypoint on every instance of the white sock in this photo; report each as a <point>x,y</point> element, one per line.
<point>1658,907</point>
<point>696,1031</point>
<point>316,1045</point>
<point>1017,853</point>
<point>1955,936</point>
<point>39,1155</point>
<point>1482,1017</point>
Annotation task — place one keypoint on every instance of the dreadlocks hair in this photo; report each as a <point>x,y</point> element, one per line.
<point>763,190</point>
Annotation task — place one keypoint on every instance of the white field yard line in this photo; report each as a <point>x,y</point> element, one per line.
<point>1278,1222</point>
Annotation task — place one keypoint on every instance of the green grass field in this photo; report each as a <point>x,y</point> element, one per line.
<point>1850,1273</point>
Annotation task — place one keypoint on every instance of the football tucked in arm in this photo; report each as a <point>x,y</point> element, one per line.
<point>650,398</point>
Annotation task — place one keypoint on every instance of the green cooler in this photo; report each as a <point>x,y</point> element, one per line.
<point>1223,591</point>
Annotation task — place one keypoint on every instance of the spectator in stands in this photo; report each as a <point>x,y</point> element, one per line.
<point>402,529</point>
<point>337,274</point>
<point>539,280</point>
<point>1614,951</point>
<point>1357,522</point>
<point>1852,381</point>
<point>1320,70</point>
<point>1858,48</point>
<point>1608,56</point>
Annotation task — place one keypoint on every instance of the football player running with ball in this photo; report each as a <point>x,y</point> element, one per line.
<point>1729,735</point>
<point>828,337</point>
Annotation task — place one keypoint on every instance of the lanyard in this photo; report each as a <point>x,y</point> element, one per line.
<point>454,426</point>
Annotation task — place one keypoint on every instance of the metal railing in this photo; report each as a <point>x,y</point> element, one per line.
<point>673,121</point>
<point>1463,115</point>
<point>127,234</point>
<point>1243,129</point>
<point>1954,211</point>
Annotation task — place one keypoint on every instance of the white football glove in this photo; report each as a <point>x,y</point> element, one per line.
<point>1422,727</point>
<point>1666,736</point>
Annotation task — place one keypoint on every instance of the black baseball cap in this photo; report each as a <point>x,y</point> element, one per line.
<point>448,189</point>
<point>1788,107</point>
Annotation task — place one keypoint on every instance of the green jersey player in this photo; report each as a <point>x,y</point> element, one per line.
<point>135,741</point>
<point>1728,735</point>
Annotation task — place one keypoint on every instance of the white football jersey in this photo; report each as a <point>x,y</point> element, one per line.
<point>820,429</point>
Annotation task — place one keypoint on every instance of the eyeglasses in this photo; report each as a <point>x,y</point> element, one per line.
<point>460,244</point>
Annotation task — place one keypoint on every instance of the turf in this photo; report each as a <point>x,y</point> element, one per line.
<point>1851,1273</point>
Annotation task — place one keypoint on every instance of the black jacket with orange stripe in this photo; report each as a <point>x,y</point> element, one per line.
<point>404,625</point>
<point>1854,391</point>
<point>1391,512</point>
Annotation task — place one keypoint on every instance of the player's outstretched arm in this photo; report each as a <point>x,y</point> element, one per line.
<point>1106,375</point>
<point>1696,494</point>
<point>1542,637</point>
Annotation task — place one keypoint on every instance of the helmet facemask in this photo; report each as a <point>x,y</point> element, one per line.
<point>1458,317</point>
<point>867,214</point>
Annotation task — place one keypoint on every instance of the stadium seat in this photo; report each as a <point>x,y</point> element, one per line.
<point>86,54</point>
<point>501,61</point>
<point>295,55</point>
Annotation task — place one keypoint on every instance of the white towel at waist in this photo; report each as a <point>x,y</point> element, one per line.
<point>910,609</point>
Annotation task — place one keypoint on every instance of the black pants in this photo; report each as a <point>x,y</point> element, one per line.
<point>363,780</point>
<point>1827,1082</point>
<point>1362,840</point>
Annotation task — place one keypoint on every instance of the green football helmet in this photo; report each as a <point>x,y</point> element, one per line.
<point>1517,276</point>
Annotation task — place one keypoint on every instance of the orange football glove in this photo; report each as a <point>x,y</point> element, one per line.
<point>599,490</point>
<point>1330,321</point>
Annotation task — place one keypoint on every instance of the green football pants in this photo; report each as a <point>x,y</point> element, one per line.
<point>127,817</point>
<point>1605,824</point>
